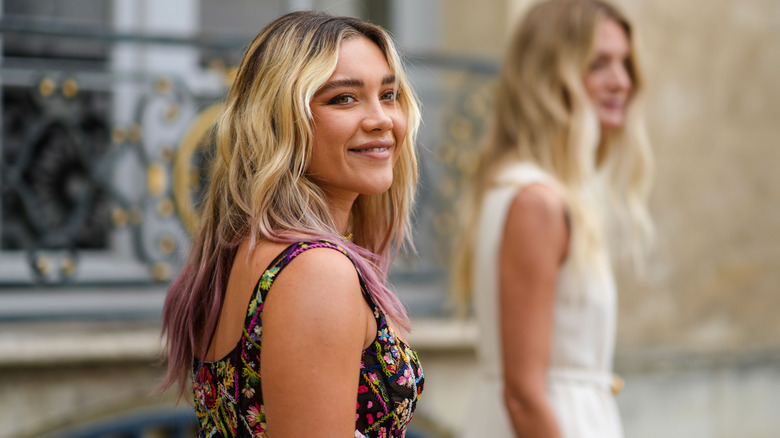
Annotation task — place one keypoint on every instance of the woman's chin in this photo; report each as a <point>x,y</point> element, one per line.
<point>377,188</point>
<point>611,124</point>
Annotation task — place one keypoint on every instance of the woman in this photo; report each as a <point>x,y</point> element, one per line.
<point>310,193</point>
<point>562,180</point>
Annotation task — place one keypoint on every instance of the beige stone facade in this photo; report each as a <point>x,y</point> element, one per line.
<point>713,110</point>
<point>62,375</point>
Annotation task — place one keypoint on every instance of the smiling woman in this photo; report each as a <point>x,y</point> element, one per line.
<point>284,324</point>
<point>608,78</point>
<point>357,123</point>
<point>562,182</point>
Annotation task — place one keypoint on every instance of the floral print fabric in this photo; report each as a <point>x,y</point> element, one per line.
<point>228,394</point>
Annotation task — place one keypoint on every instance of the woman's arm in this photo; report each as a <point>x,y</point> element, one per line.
<point>534,244</point>
<point>315,326</point>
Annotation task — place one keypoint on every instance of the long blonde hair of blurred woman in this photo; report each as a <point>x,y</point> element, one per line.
<point>543,115</point>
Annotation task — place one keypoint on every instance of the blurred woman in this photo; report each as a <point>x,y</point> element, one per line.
<point>560,187</point>
<point>311,187</point>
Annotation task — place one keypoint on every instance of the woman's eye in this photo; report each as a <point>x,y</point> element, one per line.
<point>342,99</point>
<point>392,95</point>
<point>597,64</point>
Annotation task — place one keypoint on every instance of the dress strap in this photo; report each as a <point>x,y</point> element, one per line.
<point>288,254</point>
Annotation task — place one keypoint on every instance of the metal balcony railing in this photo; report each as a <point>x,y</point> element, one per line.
<point>101,168</point>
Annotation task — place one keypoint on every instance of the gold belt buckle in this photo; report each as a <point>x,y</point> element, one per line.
<point>617,385</point>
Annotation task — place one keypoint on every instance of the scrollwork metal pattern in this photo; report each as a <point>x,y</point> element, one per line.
<point>85,199</point>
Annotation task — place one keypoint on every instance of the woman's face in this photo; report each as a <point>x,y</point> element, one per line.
<point>607,79</point>
<point>358,124</point>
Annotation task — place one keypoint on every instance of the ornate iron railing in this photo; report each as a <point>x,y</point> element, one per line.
<point>88,197</point>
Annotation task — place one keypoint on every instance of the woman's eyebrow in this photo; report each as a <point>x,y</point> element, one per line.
<point>352,83</point>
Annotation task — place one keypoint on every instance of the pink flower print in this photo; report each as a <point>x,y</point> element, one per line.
<point>391,366</point>
<point>255,415</point>
<point>248,392</point>
<point>406,379</point>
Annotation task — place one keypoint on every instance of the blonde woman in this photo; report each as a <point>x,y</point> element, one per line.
<point>311,188</point>
<point>561,186</point>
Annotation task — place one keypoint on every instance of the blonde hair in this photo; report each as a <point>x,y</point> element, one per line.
<point>259,184</point>
<point>543,116</point>
<point>259,188</point>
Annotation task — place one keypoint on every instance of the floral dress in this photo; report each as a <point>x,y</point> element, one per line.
<point>228,393</point>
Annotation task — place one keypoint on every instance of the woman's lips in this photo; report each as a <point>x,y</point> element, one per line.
<point>614,105</point>
<point>378,150</point>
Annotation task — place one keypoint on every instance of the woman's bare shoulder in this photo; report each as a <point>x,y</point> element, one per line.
<point>537,224</point>
<point>322,264</point>
<point>539,200</point>
<point>322,281</point>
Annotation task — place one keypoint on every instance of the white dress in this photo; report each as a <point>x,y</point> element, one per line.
<point>580,377</point>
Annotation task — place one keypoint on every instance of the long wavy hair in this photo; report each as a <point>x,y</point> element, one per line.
<point>543,115</point>
<point>259,188</point>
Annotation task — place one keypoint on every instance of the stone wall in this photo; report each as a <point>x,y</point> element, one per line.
<point>714,102</point>
<point>55,376</point>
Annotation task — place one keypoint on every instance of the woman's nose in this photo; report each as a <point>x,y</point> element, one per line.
<point>620,78</point>
<point>377,118</point>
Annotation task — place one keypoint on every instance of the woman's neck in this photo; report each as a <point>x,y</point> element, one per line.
<point>340,210</point>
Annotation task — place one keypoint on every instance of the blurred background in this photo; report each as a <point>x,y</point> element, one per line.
<point>106,111</point>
